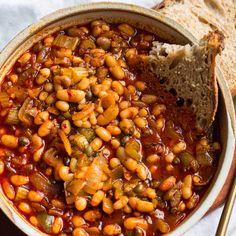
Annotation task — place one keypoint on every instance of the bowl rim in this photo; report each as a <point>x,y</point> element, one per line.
<point>34,28</point>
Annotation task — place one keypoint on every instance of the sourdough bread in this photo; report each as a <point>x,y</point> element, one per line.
<point>202,16</point>
<point>188,72</point>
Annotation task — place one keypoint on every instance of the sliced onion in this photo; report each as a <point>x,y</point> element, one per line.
<point>23,115</point>
<point>75,186</point>
<point>42,183</point>
<point>94,174</point>
<point>64,41</point>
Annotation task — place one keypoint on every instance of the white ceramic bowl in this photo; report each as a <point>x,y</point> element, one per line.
<point>149,20</point>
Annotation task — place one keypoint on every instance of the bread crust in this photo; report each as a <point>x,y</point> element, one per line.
<point>216,41</point>
<point>202,16</point>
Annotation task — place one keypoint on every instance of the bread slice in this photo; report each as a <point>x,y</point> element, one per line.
<point>202,16</point>
<point>188,72</point>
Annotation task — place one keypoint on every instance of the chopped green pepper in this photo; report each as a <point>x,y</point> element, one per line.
<point>117,173</point>
<point>171,132</point>
<point>189,161</point>
<point>186,158</point>
<point>139,189</point>
<point>46,222</point>
<point>88,133</point>
<point>24,141</point>
<point>88,151</point>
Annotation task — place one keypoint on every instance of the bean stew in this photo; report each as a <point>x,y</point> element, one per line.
<point>90,144</point>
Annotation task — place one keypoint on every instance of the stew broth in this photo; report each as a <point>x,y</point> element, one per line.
<point>91,144</point>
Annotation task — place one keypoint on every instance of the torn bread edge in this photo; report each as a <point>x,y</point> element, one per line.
<point>191,72</point>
